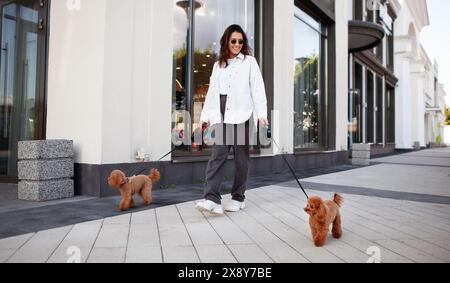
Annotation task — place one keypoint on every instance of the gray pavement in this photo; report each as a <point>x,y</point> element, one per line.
<point>380,220</point>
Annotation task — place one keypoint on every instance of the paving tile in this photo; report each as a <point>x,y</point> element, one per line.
<point>199,229</point>
<point>5,254</point>
<point>172,231</point>
<point>180,254</point>
<point>228,231</point>
<point>77,243</point>
<point>40,247</point>
<point>107,255</point>
<point>249,253</point>
<point>409,252</point>
<point>215,254</point>
<point>14,243</point>
<point>113,236</point>
<point>145,254</point>
<point>429,248</point>
<point>282,253</point>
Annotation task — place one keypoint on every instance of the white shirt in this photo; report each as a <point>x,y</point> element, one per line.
<point>246,95</point>
<point>225,77</point>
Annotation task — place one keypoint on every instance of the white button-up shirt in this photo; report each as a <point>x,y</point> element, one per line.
<point>246,95</point>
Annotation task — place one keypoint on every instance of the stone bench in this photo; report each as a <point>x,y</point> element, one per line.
<point>46,169</point>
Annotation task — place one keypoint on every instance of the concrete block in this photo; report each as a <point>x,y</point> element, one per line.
<point>360,162</point>
<point>361,154</point>
<point>361,147</point>
<point>39,170</point>
<point>45,149</point>
<point>46,190</point>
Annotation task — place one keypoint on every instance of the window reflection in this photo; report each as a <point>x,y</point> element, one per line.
<point>211,18</point>
<point>308,72</point>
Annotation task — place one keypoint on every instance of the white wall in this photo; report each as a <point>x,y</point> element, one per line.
<point>342,74</point>
<point>138,79</point>
<point>110,78</point>
<point>283,122</point>
<point>75,77</point>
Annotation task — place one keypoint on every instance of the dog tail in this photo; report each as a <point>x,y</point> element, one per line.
<point>155,176</point>
<point>338,199</point>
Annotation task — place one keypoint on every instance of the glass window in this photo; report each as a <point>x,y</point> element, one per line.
<point>21,92</point>
<point>370,111</point>
<point>309,83</point>
<point>390,115</point>
<point>355,107</point>
<point>358,10</point>
<point>379,110</point>
<point>197,47</point>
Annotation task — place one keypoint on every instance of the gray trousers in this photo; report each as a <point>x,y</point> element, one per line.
<point>233,137</point>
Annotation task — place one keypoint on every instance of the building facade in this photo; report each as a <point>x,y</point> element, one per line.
<point>372,92</point>
<point>124,79</point>
<point>110,75</point>
<point>410,61</point>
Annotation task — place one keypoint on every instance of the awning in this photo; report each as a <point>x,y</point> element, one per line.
<point>364,35</point>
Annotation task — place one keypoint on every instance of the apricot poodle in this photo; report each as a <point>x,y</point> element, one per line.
<point>321,215</point>
<point>129,186</point>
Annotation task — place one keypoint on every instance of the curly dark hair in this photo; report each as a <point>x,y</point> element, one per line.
<point>225,52</point>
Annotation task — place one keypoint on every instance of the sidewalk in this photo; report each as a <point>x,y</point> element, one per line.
<point>398,208</point>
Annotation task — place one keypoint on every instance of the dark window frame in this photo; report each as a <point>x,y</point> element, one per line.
<point>328,79</point>
<point>43,7</point>
<point>263,52</point>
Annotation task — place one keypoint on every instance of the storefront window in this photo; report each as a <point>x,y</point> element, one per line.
<point>379,110</point>
<point>309,86</point>
<point>355,107</point>
<point>370,111</point>
<point>390,115</point>
<point>199,26</point>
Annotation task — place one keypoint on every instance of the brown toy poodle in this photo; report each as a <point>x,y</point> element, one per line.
<point>322,215</point>
<point>129,186</point>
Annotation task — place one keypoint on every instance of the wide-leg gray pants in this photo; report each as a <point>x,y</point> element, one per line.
<point>233,136</point>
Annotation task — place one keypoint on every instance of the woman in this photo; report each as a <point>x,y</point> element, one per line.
<point>236,92</point>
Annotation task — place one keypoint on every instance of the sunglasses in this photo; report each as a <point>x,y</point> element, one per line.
<point>234,41</point>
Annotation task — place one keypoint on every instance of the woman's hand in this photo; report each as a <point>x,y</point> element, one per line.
<point>203,125</point>
<point>263,122</point>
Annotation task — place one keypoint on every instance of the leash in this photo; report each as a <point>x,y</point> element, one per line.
<point>269,135</point>
<point>143,170</point>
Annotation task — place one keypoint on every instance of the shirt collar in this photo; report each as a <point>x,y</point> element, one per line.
<point>241,56</point>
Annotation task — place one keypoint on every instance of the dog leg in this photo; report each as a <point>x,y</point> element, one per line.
<point>320,237</point>
<point>337,227</point>
<point>127,200</point>
<point>146,194</point>
<point>124,204</point>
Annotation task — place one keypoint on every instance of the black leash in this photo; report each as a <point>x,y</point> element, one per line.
<point>142,171</point>
<point>269,135</point>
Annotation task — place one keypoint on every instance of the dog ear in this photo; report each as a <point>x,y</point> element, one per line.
<point>321,209</point>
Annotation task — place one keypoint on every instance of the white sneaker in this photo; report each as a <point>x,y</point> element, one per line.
<point>209,206</point>
<point>235,206</point>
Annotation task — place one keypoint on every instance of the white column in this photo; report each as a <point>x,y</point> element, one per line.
<point>75,77</point>
<point>341,74</point>
<point>283,122</point>
<point>403,116</point>
<point>110,78</point>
